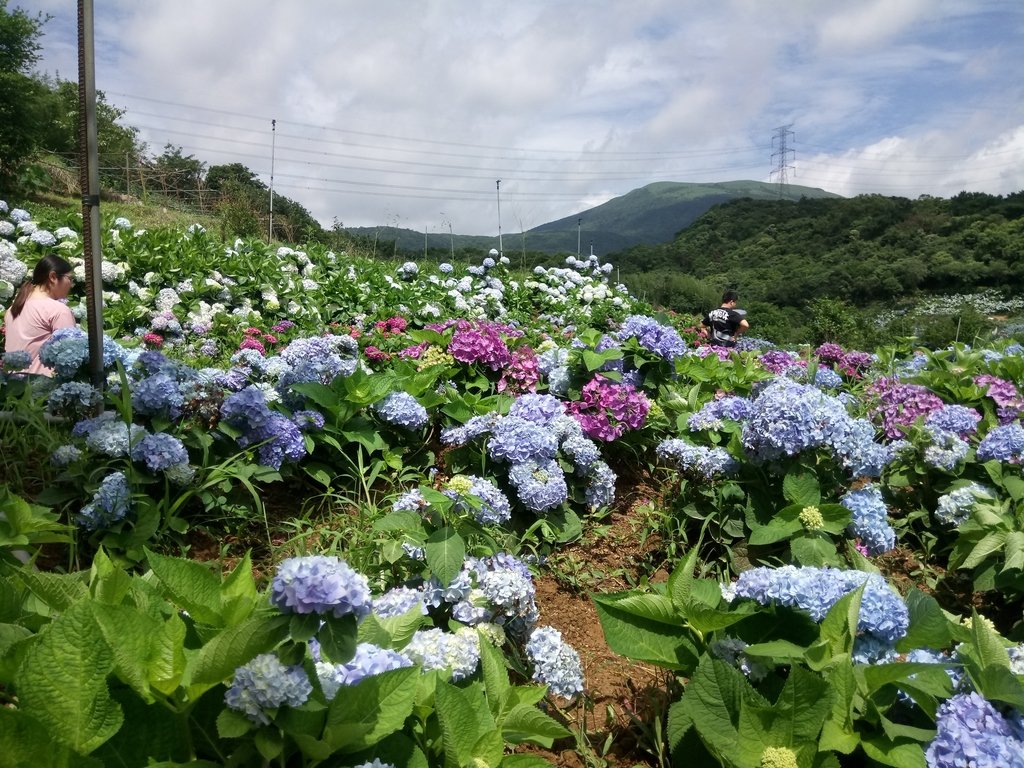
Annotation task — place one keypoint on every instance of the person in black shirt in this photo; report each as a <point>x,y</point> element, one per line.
<point>724,324</point>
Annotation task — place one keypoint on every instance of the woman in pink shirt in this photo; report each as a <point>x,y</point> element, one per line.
<point>37,310</point>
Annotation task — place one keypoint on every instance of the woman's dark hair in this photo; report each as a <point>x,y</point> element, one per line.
<point>40,276</point>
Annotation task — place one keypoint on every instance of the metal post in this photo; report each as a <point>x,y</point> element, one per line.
<point>89,179</point>
<point>579,230</point>
<point>273,146</point>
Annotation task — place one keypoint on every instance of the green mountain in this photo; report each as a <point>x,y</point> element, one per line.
<point>652,214</point>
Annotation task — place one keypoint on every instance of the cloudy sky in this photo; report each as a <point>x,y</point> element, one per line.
<point>409,112</point>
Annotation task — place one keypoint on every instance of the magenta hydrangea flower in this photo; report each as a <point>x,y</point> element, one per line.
<point>522,374</point>
<point>606,409</point>
<point>480,345</point>
<point>897,405</point>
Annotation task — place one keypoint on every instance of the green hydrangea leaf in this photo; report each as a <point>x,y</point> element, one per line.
<point>445,551</point>
<point>63,681</point>
<point>370,710</point>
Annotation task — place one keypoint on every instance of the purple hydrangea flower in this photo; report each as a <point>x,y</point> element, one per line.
<point>320,584</point>
<point>160,451</point>
<point>954,418</point>
<point>540,409</point>
<point>369,660</point>
<point>157,395</point>
<point>514,439</point>
<point>540,484</point>
<point>1003,443</point>
<point>972,732</point>
<point>663,340</point>
<point>109,504</point>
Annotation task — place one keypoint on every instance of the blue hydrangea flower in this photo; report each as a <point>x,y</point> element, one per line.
<point>860,455</point>
<point>663,340</point>
<point>712,413</point>
<point>972,732</point>
<point>410,501</point>
<point>266,684</point>
<point>308,420</point>
<point>954,418</point>
<point>507,584</point>
<point>815,590</point>
<point>65,455</point>
<point>369,660</point>
<point>698,460</point>
<point>600,490</point>
<point>870,522</point>
<point>398,602</point>
<point>555,662</point>
<point>401,410</point>
<point>955,507</point>
<point>112,437</point>
<point>110,503</point>
<point>581,451</point>
<point>472,429</point>
<point>491,506</point>
<point>540,409</point>
<point>945,449</point>
<point>16,361</point>
<point>1003,443</point>
<point>320,584</point>
<point>157,395</point>
<point>160,451</point>
<point>65,352</point>
<point>788,418</point>
<point>515,440</point>
<point>74,399</point>
<point>540,485</point>
<point>826,378</point>
<point>436,649</point>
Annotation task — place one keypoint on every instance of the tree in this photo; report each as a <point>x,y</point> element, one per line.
<point>178,175</point>
<point>20,94</point>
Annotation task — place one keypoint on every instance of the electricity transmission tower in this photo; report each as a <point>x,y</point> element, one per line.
<point>782,157</point>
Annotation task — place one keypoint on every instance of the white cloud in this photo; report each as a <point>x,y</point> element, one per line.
<point>398,110</point>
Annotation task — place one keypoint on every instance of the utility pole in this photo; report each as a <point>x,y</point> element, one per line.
<point>273,146</point>
<point>579,231</point>
<point>782,157</point>
<point>501,251</point>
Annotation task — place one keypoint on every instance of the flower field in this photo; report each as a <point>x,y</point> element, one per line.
<point>305,521</point>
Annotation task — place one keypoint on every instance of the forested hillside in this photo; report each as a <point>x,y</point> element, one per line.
<point>863,250</point>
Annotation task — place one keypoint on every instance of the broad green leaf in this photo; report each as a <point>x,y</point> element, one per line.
<point>107,582</point>
<point>638,637</point>
<point>524,761</point>
<point>782,651</point>
<point>56,591</point>
<point>813,550</point>
<point>445,551</point>
<point>337,637</point>
<point>801,487</point>
<point>1014,486</point>
<point>527,723</point>
<point>27,743</point>
<point>1000,684</point>
<point>992,542</point>
<point>704,619</point>
<point>218,659</point>
<point>495,675</point>
<point>839,627</point>
<point>1014,551</point>
<point>131,635</point>
<point>232,724</point>
<point>680,584</point>
<point>63,681</point>
<point>189,584</point>
<point>714,699</point>
<point>777,530</point>
<point>902,755</point>
<point>646,606</point>
<point>489,748</point>
<point>838,732</point>
<point>460,727</point>
<point>929,627</point>
<point>392,632</point>
<point>371,709</point>
<point>238,593</point>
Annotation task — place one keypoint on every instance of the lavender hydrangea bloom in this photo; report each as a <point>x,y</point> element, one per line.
<point>698,460</point>
<point>308,420</point>
<point>472,429</point>
<point>515,440</point>
<point>815,590</point>
<point>157,395</point>
<point>109,504</point>
<point>540,409</point>
<point>318,358</point>
<point>956,506</point>
<point>401,410</point>
<point>65,352</point>
<point>65,455</point>
<point>555,662</point>
<point>581,451</point>
<point>398,602</point>
<point>112,437</point>
<point>945,449</point>
<point>320,584</point>
<point>160,451</point>
<point>492,506</point>
<point>663,340</point>
<point>16,361</point>
<point>369,660</point>
<point>507,585</point>
<point>788,418</point>
<point>712,413</point>
<point>540,484</point>
<point>1003,443</point>
<point>954,418</point>
<point>600,490</point>
<point>435,649</point>
<point>860,455</point>
<point>870,521</point>
<point>972,732</point>
<point>264,684</point>
<point>73,398</point>
<point>826,378</point>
